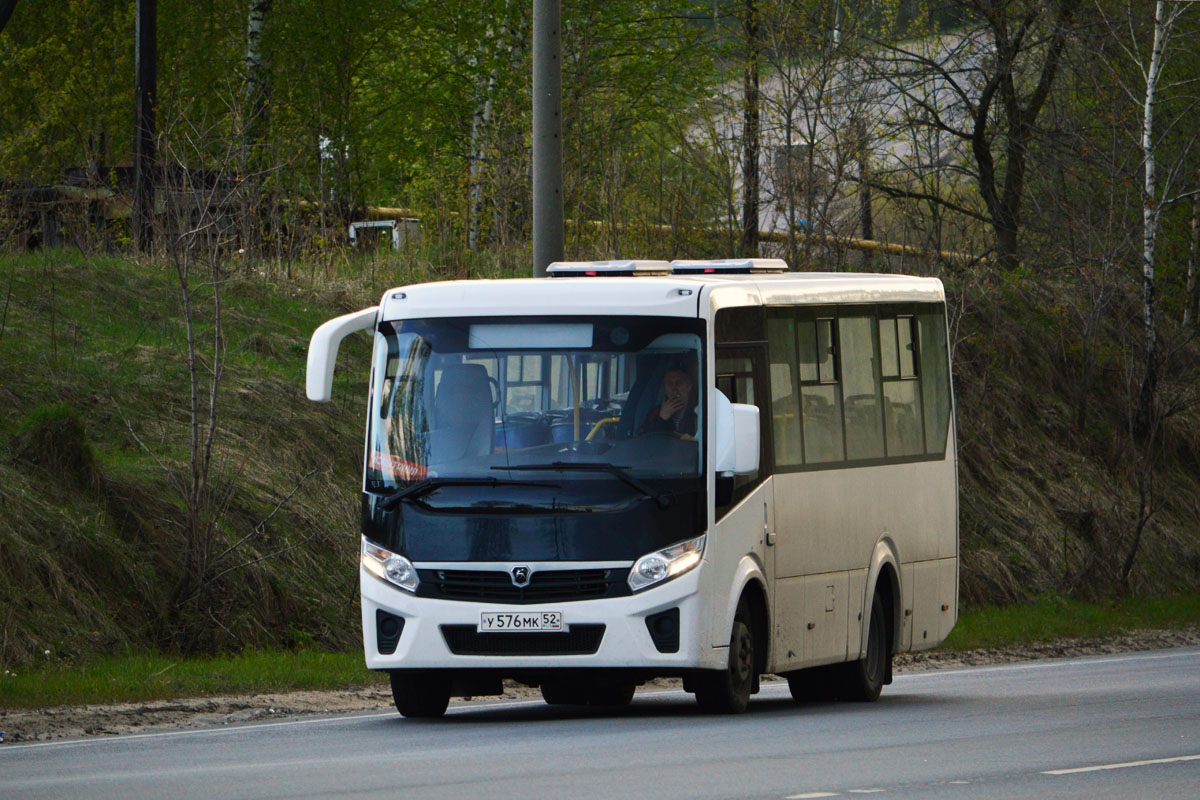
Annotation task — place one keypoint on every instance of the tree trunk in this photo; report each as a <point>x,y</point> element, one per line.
<point>1150,218</point>
<point>1191,311</point>
<point>750,134</point>
<point>254,123</point>
<point>866,217</point>
<point>477,160</point>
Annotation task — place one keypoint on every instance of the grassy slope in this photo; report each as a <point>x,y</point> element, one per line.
<point>89,545</point>
<point>1045,507</point>
<point>90,548</point>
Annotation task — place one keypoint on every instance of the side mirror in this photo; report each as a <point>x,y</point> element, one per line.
<point>736,436</point>
<point>323,350</point>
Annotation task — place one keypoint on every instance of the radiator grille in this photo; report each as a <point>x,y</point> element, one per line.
<point>496,586</point>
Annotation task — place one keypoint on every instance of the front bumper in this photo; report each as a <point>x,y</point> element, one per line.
<point>626,642</point>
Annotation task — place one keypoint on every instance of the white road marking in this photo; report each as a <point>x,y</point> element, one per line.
<point>808,795</point>
<point>866,791</point>
<point>1122,765</point>
<point>775,688</point>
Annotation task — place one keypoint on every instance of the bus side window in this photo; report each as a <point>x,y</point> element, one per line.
<point>902,417</point>
<point>861,399</point>
<point>933,364</point>
<point>820,390</point>
<point>785,391</point>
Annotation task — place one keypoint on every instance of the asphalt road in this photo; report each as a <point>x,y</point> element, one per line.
<point>1117,726</point>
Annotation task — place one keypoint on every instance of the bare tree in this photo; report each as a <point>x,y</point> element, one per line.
<point>254,121</point>
<point>1160,188</point>
<point>752,31</point>
<point>984,89</point>
<point>1191,311</point>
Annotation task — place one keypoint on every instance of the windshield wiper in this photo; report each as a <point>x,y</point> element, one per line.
<point>413,491</point>
<point>661,499</point>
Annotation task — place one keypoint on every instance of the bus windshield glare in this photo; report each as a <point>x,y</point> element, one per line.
<point>535,398</point>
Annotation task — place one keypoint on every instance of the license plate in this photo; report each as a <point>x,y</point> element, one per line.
<point>515,621</point>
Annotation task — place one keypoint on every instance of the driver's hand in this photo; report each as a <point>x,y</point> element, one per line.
<point>671,406</point>
<point>687,437</point>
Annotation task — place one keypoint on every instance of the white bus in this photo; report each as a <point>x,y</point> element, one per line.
<point>630,469</point>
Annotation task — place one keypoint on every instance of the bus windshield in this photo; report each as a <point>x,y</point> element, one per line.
<point>535,398</point>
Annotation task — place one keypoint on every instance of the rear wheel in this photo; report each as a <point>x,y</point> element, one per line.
<point>728,691</point>
<point>862,680</point>
<point>421,694</point>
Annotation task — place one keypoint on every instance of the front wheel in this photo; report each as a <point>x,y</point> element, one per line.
<point>421,694</point>
<point>862,680</point>
<point>728,691</point>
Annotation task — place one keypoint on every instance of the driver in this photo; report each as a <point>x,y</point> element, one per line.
<point>676,413</point>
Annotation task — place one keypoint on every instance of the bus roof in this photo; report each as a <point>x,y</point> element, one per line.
<point>666,295</point>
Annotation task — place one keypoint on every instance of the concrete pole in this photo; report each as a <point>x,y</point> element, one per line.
<point>547,135</point>
<point>145,98</point>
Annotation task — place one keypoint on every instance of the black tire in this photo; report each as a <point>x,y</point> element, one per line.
<point>565,694</point>
<point>814,684</point>
<point>421,694</point>
<point>728,691</point>
<point>613,695</point>
<point>862,680</point>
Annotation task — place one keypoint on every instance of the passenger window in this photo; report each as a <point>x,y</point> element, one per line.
<point>861,400</point>
<point>820,394</point>
<point>785,394</point>
<point>902,417</point>
<point>935,380</point>
<point>905,336</point>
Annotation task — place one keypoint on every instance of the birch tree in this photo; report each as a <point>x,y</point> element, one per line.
<point>254,121</point>
<point>1163,168</point>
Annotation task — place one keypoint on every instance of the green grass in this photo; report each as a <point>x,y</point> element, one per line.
<point>140,678</point>
<point>1058,618</point>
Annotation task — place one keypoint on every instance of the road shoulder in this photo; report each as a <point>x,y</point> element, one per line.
<point>69,722</point>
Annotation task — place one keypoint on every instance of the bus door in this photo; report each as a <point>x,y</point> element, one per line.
<point>747,523</point>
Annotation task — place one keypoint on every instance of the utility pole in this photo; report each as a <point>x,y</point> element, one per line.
<point>6,9</point>
<point>547,135</point>
<point>145,97</point>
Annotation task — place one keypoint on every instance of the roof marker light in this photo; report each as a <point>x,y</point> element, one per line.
<point>728,266</point>
<point>615,268</point>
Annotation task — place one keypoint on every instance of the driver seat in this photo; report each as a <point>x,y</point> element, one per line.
<point>462,414</point>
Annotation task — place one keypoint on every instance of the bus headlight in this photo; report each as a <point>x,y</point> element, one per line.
<point>665,564</point>
<point>389,566</point>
